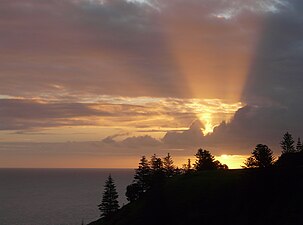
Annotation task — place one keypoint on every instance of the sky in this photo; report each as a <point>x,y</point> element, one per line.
<point>99,83</point>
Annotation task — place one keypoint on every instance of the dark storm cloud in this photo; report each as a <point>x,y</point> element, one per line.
<point>139,141</point>
<point>22,114</point>
<point>72,48</point>
<point>276,73</point>
<point>251,125</point>
<point>117,47</point>
<point>273,92</point>
<point>193,137</point>
<point>26,114</point>
<point>140,114</point>
<point>83,46</point>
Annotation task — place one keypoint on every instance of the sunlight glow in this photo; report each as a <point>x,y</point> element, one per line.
<point>232,161</point>
<point>224,156</point>
<point>206,119</point>
<point>211,70</point>
<point>105,115</point>
<point>158,113</point>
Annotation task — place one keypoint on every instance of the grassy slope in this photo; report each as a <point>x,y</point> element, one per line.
<point>220,197</point>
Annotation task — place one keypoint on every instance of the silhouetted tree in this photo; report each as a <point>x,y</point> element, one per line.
<point>299,146</point>
<point>143,174</point>
<point>156,163</point>
<point>293,157</point>
<point>157,170</point>
<point>133,192</point>
<point>187,168</point>
<point>221,166</point>
<point>290,160</point>
<point>109,203</point>
<point>149,174</point>
<point>205,160</point>
<point>178,171</point>
<point>287,144</point>
<point>168,166</point>
<point>250,162</point>
<point>142,181</point>
<point>262,157</point>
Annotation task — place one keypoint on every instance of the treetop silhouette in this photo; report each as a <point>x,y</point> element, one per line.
<point>287,144</point>
<point>206,161</point>
<point>262,157</point>
<point>109,204</point>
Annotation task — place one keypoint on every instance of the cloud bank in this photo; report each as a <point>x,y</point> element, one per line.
<point>152,68</point>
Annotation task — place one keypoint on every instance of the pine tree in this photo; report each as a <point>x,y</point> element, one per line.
<point>142,181</point>
<point>157,171</point>
<point>205,160</point>
<point>156,163</point>
<point>187,168</point>
<point>287,144</point>
<point>299,146</point>
<point>109,204</point>
<point>250,162</point>
<point>189,164</point>
<point>143,174</point>
<point>262,157</point>
<point>168,166</point>
<point>133,192</point>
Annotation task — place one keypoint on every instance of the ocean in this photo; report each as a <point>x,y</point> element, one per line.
<point>56,196</point>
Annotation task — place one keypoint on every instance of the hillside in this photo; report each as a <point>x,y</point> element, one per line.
<point>220,197</point>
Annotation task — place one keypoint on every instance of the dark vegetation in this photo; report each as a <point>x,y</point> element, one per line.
<point>262,157</point>
<point>109,204</point>
<point>265,192</point>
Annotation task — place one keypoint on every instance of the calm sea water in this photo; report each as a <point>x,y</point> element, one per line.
<point>55,196</point>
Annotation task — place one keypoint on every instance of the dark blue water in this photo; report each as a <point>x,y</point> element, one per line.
<point>55,196</point>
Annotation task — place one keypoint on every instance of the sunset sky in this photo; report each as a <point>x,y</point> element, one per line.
<point>99,83</point>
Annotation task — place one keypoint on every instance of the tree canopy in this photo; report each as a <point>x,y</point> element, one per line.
<point>206,161</point>
<point>168,165</point>
<point>287,144</point>
<point>262,157</point>
<point>157,170</point>
<point>299,146</point>
<point>109,203</point>
<point>142,175</point>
